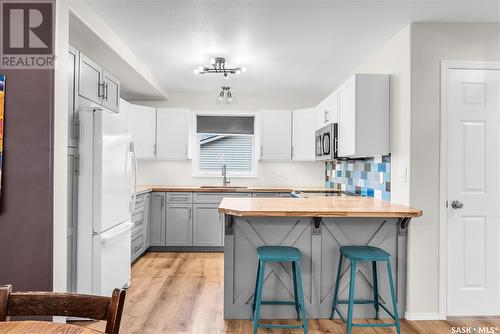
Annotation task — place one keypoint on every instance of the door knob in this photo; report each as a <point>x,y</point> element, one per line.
<point>457,204</point>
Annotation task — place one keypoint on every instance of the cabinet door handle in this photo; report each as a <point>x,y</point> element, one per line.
<point>106,91</point>
<point>100,87</point>
<point>185,151</point>
<point>261,151</point>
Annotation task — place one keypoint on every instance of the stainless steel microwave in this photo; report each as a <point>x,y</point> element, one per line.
<point>327,142</point>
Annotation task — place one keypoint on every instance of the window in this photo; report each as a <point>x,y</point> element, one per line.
<point>226,140</point>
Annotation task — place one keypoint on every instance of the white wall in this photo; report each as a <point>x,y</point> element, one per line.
<point>179,173</point>
<point>242,101</point>
<point>60,147</point>
<point>430,44</point>
<point>394,58</point>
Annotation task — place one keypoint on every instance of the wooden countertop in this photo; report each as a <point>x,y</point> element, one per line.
<point>231,189</point>
<point>342,206</point>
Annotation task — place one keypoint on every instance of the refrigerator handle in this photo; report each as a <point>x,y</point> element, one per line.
<point>134,162</point>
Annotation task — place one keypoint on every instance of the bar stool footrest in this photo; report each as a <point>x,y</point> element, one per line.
<point>277,302</point>
<point>392,324</point>
<point>359,302</point>
<point>281,326</point>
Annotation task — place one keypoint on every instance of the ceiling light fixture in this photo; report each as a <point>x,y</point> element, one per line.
<point>225,93</point>
<point>219,66</point>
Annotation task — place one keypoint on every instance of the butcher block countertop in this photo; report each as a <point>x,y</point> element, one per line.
<point>341,206</point>
<point>230,189</point>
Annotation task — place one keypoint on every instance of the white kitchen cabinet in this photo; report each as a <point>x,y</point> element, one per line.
<point>142,125</point>
<point>305,123</point>
<point>276,135</point>
<point>97,85</point>
<point>329,108</point>
<point>363,120</point>
<point>90,79</point>
<point>172,134</point>
<point>111,93</point>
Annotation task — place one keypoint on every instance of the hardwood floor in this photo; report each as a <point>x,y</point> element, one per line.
<point>183,293</point>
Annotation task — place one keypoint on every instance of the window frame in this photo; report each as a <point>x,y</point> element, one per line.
<point>195,148</point>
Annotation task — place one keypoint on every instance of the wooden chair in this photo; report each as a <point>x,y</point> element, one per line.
<point>63,304</point>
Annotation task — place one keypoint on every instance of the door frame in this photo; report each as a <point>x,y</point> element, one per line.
<point>443,167</point>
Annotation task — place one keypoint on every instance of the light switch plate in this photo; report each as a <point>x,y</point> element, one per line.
<point>403,174</point>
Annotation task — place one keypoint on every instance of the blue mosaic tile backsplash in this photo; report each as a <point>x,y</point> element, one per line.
<point>369,177</point>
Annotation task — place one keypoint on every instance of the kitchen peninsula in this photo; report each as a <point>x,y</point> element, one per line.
<point>318,226</point>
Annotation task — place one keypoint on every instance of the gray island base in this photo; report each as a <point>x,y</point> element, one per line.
<point>319,240</point>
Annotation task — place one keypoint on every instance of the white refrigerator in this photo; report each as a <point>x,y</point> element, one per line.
<point>106,198</point>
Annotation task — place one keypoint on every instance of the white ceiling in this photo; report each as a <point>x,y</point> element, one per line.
<point>292,46</point>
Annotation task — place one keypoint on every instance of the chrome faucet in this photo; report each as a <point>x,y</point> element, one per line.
<point>225,179</point>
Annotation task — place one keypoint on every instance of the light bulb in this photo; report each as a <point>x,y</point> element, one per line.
<point>238,71</point>
<point>201,69</point>
<point>212,61</point>
<point>196,71</point>
<point>219,99</point>
<point>230,99</point>
<point>243,69</point>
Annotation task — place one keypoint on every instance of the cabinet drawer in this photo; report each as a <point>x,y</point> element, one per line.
<point>137,245</point>
<point>138,221</point>
<point>216,198</point>
<point>179,197</point>
<point>139,201</point>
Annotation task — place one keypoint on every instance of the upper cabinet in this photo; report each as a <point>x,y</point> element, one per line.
<point>172,134</point>
<point>96,85</point>
<point>276,135</point>
<point>158,133</point>
<point>111,93</point>
<point>363,116</point>
<point>328,109</point>
<point>305,123</point>
<point>142,125</point>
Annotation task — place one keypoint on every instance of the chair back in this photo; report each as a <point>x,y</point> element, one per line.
<point>63,304</point>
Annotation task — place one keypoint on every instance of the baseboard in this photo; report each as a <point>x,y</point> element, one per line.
<point>190,249</point>
<point>422,316</point>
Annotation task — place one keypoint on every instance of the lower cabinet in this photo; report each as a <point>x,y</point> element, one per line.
<point>157,219</point>
<point>207,225</point>
<point>179,225</point>
<point>140,228</point>
<point>180,219</point>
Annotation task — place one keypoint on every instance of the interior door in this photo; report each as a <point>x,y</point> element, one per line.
<point>473,109</point>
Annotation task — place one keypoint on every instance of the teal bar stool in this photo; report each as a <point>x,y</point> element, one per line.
<point>365,254</point>
<point>279,254</point>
